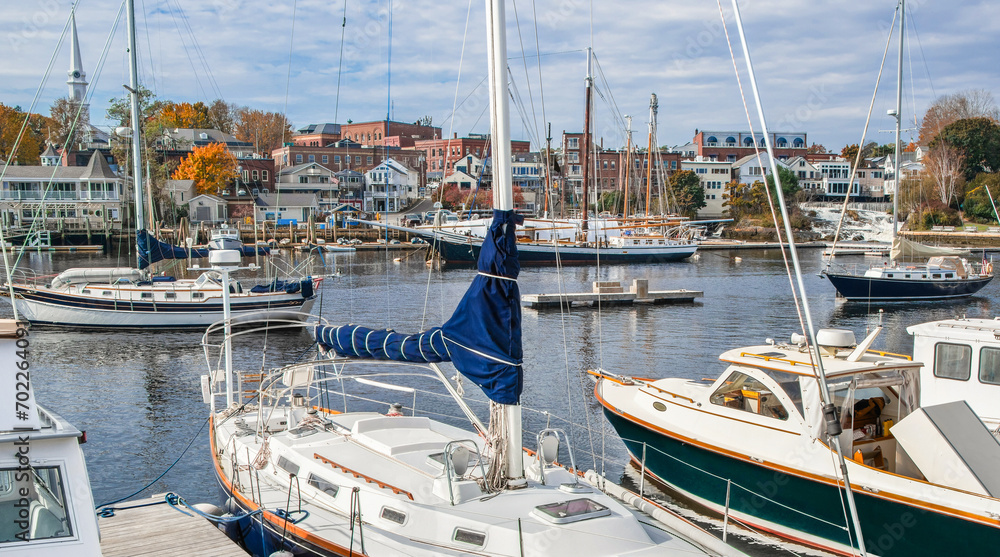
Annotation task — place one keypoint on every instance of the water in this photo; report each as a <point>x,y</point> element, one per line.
<point>137,394</point>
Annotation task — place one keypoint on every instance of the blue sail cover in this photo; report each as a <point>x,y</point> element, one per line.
<point>482,338</point>
<point>152,250</point>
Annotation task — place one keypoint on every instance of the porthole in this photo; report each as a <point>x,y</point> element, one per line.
<point>392,515</point>
<point>660,406</point>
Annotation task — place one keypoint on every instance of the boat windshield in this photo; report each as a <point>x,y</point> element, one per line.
<point>743,392</point>
<point>37,495</point>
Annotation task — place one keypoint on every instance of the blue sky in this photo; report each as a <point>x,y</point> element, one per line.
<point>816,62</point>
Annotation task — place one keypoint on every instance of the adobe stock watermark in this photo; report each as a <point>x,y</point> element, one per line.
<point>361,37</point>
<point>48,13</point>
<point>792,120</point>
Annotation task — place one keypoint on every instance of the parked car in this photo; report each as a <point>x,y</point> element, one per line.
<point>413,219</point>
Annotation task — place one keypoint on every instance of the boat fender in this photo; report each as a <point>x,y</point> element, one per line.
<point>307,287</point>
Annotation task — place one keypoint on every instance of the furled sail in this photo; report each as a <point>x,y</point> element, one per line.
<point>152,250</point>
<point>482,338</point>
<point>905,249</point>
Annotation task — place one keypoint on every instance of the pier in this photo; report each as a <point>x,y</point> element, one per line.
<point>159,529</point>
<point>612,293</point>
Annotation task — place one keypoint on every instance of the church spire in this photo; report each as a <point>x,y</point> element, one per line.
<point>77,77</point>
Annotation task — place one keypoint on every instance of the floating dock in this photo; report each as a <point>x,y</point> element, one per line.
<point>159,529</point>
<point>610,293</point>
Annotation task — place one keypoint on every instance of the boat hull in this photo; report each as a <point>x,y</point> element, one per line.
<point>467,253</point>
<point>47,308</point>
<point>855,287</point>
<point>796,506</point>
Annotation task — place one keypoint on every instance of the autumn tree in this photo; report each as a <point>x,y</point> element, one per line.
<point>745,201</point>
<point>32,142</point>
<point>266,130</point>
<point>978,140</point>
<point>816,149</point>
<point>222,115</point>
<point>850,152</point>
<point>947,109</point>
<point>944,165</point>
<point>685,188</point>
<point>453,197</point>
<point>211,167</point>
<point>184,115</point>
<point>70,119</point>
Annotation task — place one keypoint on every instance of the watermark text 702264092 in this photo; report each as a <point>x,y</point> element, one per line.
<point>22,379</point>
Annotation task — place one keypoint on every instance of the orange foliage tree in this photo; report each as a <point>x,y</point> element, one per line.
<point>33,141</point>
<point>266,130</point>
<point>184,115</point>
<point>452,197</point>
<point>211,167</point>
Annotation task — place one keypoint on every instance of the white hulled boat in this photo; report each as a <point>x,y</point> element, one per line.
<point>46,506</point>
<point>122,297</point>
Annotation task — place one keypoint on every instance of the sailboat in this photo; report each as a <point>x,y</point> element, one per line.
<point>122,297</point>
<point>303,478</point>
<point>46,504</point>
<point>943,275</point>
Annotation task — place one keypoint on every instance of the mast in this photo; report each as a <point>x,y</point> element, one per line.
<point>503,192</point>
<point>133,75</point>
<point>586,142</point>
<point>653,106</point>
<point>899,116</point>
<point>548,171</point>
<point>628,163</point>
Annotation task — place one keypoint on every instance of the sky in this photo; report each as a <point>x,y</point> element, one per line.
<point>816,62</point>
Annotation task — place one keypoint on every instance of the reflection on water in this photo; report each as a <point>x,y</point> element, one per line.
<point>138,393</point>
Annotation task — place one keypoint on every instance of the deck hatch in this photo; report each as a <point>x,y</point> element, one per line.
<point>392,515</point>
<point>319,483</point>
<point>574,510</point>
<point>469,537</point>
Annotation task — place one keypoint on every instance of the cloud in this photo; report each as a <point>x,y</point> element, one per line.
<point>815,61</point>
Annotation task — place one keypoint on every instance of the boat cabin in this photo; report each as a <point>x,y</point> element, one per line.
<point>962,359</point>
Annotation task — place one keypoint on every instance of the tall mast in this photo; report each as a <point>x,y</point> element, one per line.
<point>133,79</point>
<point>548,170</point>
<point>899,118</point>
<point>503,193</point>
<point>628,163</point>
<point>653,106</point>
<point>586,142</point>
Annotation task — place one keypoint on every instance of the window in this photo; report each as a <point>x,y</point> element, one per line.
<point>742,392</point>
<point>146,295</point>
<point>312,158</point>
<point>326,487</point>
<point>357,160</point>
<point>989,366</point>
<point>253,175</point>
<point>336,159</point>
<point>170,295</point>
<point>46,502</point>
<point>326,159</point>
<point>298,158</point>
<point>197,294</point>
<point>287,465</point>
<point>469,536</point>
<point>392,515</point>
<point>701,171</point>
<point>263,175</point>
<point>574,143</point>
<point>952,361</point>
<point>303,179</point>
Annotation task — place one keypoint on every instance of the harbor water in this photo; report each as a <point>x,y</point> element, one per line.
<point>138,395</point>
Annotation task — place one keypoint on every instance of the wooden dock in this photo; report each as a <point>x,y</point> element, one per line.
<point>162,530</point>
<point>609,293</point>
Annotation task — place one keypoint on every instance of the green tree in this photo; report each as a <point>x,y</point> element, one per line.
<point>120,114</point>
<point>789,184</point>
<point>685,186</point>
<point>978,140</point>
<point>977,205</point>
<point>745,201</point>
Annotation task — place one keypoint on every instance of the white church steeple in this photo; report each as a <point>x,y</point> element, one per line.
<point>77,77</point>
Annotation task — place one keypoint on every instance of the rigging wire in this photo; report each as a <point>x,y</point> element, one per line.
<point>340,65</point>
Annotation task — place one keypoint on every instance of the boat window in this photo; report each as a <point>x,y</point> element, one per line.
<point>907,275</point>
<point>288,465</point>
<point>948,275</point>
<point>989,365</point>
<point>468,536</point>
<point>952,361</point>
<point>197,294</point>
<point>936,276</point>
<point>45,505</point>
<point>106,293</point>
<point>392,515</point>
<point>326,487</point>
<point>170,295</point>
<point>742,392</point>
<point>889,275</point>
<point>86,291</point>
<point>789,382</point>
<point>146,295</point>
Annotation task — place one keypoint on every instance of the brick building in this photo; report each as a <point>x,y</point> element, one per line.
<point>376,133</point>
<point>346,155</point>
<point>317,135</point>
<point>442,154</point>
<point>731,146</point>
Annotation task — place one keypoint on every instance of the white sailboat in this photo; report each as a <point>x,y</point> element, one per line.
<point>121,297</point>
<point>308,479</point>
